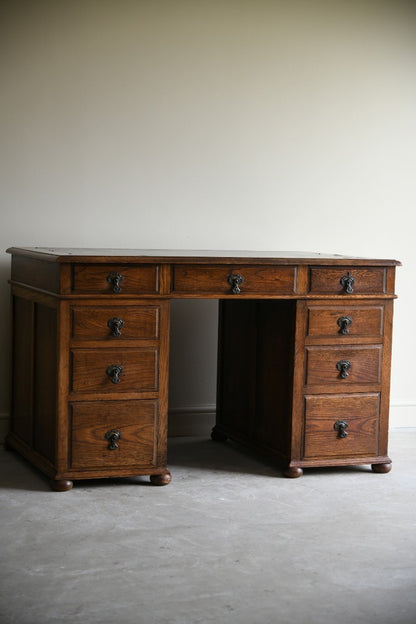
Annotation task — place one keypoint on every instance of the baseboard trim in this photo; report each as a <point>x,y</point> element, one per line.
<point>198,420</point>
<point>402,415</point>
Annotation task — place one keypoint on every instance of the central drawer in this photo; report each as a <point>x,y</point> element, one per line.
<point>115,370</point>
<point>344,365</point>
<point>236,280</point>
<point>113,433</point>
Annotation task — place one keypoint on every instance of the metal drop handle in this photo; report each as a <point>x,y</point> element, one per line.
<point>344,322</point>
<point>114,371</point>
<point>344,367</point>
<point>347,282</point>
<point>115,324</point>
<point>341,426</point>
<point>113,436</point>
<point>235,280</point>
<point>115,280</point>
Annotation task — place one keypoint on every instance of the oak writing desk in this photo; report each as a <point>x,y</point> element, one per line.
<point>303,358</point>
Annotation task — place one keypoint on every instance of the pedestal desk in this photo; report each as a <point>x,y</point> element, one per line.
<point>303,357</point>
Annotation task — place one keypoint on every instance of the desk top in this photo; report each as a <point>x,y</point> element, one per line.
<point>191,256</point>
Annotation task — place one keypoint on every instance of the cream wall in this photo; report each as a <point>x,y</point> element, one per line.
<point>247,124</point>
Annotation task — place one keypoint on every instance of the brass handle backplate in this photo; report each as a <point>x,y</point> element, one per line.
<point>115,280</point>
<point>113,436</point>
<point>235,280</point>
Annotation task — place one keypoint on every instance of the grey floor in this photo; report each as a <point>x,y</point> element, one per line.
<point>228,541</point>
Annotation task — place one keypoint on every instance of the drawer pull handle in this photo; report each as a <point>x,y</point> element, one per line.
<point>116,324</point>
<point>344,366</point>
<point>113,436</point>
<point>347,282</point>
<point>114,371</point>
<point>115,280</point>
<point>235,280</point>
<point>344,322</point>
<point>341,426</point>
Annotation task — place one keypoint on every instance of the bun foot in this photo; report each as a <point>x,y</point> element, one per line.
<point>217,435</point>
<point>381,468</point>
<point>293,472</point>
<point>61,485</point>
<point>161,479</point>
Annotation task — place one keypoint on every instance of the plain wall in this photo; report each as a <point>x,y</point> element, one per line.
<point>208,124</point>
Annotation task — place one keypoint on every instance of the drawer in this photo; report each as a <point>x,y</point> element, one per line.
<point>113,433</point>
<point>344,366</point>
<point>347,280</point>
<point>325,434</point>
<point>353,321</point>
<point>105,279</point>
<point>95,370</point>
<point>115,323</point>
<point>246,280</point>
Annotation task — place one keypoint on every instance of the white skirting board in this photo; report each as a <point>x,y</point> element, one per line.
<point>198,420</point>
<point>191,421</point>
<point>402,415</point>
<point>188,421</point>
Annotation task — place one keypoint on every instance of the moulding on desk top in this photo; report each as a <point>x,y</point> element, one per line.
<point>67,254</point>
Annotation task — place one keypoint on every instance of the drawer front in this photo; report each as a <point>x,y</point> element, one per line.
<point>245,280</point>
<point>353,321</point>
<point>341,426</point>
<point>107,279</point>
<point>115,323</point>
<point>347,280</point>
<point>113,433</point>
<point>344,366</point>
<point>95,370</point>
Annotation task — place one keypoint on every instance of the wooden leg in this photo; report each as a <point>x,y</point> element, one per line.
<point>381,468</point>
<point>161,479</point>
<point>217,435</point>
<point>293,472</point>
<point>61,485</point>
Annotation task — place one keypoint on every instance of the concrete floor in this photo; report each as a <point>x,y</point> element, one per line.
<point>229,541</point>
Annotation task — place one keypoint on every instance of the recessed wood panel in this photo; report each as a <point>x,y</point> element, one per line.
<point>23,353</point>
<point>255,372</point>
<point>45,380</point>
